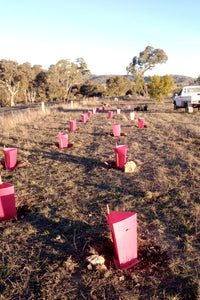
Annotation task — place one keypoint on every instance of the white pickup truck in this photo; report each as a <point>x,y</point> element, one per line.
<point>188,98</point>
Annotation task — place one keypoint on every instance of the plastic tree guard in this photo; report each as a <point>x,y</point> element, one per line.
<point>97,110</point>
<point>72,125</point>
<point>89,113</point>
<point>63,140</point>
<point>110,114</point>
<point>123,226</point>
<point>84,118</point>
<point>132,115</point>
<point>10,157</point>
<point>94,111</point>
<point>7,202</point>
<point>118,111</point>
<point>120,156</point>
<point>116,130</point>
<point>140,122</point>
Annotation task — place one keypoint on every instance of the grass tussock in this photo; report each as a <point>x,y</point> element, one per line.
<point>61,197</point>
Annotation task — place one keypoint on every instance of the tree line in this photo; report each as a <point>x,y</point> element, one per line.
<point>23,83</point>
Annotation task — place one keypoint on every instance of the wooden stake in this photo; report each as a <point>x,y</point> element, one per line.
<point>117,159</point>
<point>108,209</point>
<point>60,140</point>
<point>1,182</point>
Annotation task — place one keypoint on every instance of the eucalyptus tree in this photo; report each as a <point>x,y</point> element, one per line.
<point>10,79</point>
<point>82,67</point>
<point>25,72</point>
<point>118,85</point>
<point>28,81</point>
<point>42,85</point>
<point>197,81</point>
<point>64,74</point>
<point>90,89</point>
<point>147,60</point>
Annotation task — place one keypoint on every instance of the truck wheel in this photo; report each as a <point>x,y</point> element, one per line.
<point>189,108</point>
<point>175,107</point>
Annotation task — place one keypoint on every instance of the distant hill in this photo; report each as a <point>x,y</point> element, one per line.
<point>183,80</point>
<point>179,80</point>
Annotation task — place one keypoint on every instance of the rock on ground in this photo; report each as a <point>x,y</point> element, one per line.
<point>129,167</point>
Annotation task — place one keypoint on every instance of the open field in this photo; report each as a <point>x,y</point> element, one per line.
<point>61,197</point>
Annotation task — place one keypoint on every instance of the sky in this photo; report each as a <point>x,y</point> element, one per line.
<point>107,34</point>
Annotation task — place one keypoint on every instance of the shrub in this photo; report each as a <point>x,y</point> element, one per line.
<point>160,86</point>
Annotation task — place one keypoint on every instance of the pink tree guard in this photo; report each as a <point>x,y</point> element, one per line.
<point>120,156</point>
<point>72,125</point>
<point>84,118</point>
<point>116,130</point>
<point>123,226</point>
<point>7,202</point>
<point>140,122</point>
<point>63,140</point>
<point>10,157</point>
<point>110,114</point>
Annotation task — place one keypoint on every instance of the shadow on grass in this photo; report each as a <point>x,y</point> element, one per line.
<point>76,110</point>
<point>59,238</point>
<point>55,240</point>
<point>62,155</point>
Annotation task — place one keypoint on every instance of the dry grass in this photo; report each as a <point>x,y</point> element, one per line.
<point>61,197</point>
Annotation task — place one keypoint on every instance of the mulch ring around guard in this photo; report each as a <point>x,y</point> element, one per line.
<point>77,129</point>
<point>110,165</point>
<point>149,254</point>
<point>68,147</point>
<point>80,121</point>
<point>19,164</point>
<point>23,210</point>
<point>121,134</point>
<point>136,126</point>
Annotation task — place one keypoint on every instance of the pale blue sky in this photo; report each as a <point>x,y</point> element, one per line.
<point>106,33</point>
